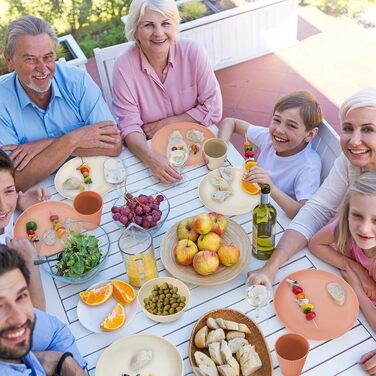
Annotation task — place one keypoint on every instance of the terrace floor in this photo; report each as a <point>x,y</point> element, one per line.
<point>334,58</point>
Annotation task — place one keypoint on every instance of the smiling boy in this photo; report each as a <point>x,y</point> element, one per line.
<point>286,161</point>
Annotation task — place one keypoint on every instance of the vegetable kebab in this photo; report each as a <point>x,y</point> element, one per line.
<point>31,228</point>
<point>85,171</point>
<point>302,301</point>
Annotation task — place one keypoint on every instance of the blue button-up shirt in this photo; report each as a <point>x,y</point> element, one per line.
<point>49,334</point>
<point>75,101</point>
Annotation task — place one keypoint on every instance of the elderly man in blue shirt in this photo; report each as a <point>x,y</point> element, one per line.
<point>49,111</point>
<point>32,342</point>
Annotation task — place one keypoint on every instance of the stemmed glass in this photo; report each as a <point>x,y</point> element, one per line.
<point>258,294</point>
<point>177,157</point>
<point>115,172</point>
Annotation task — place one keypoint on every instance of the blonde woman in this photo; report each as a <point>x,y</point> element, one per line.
<point>354,234</point>
<point>161,80</point>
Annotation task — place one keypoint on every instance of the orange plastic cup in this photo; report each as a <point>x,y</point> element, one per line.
<point>292,350</point>
<point>88,206</point>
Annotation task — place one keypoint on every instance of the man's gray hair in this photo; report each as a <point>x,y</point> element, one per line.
<point>27,25</point>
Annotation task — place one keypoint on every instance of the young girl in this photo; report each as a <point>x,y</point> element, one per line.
<point>354,236</point>
<point>9,200</point>
<point>287,161</point>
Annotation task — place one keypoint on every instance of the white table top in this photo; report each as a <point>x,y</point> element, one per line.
<point>338,356</point>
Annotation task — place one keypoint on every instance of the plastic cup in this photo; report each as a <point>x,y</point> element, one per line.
<point>214,152</point>
<point>292,350</point>
<point>89,206</point>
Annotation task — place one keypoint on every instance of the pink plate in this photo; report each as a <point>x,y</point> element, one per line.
<point>40,213</point>
<point>160,139</point>
<point>332,319</point>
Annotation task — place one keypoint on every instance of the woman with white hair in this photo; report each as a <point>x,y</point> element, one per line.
<point>358,142</point>
<point>161,80</point>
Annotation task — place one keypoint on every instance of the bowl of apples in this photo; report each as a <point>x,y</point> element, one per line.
<point>147,208</point>
<point>207,249</point>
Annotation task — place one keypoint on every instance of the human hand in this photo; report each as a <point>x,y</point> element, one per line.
<point>48,360</point>
<point>32,196</point>
<point>262,276</point>
<point>24,248</point>
<point>104,134</point>
<point>368,362</point>
<point>22,154</point>
<point>151,128</point>
<point>359,279</point>
<point>258,175</point>
<point>163,171</point>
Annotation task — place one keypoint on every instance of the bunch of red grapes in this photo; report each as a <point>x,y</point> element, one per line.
<point>142,210</point>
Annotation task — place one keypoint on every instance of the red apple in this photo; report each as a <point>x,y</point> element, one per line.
<point>185,250</point>
<point>209,242</point>
<point>202,223</point>
<point>219,223</point>
<point>228,255</point>
<point>206,262</point>
<point>185,230</point>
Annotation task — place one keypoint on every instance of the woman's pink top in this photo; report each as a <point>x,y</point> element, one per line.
<point>357,253</point>
<point>189,86</point>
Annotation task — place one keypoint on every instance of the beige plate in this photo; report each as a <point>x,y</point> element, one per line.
<point>68,170</point>
<point>116,358</point>
<point>234,234</point>
<point>239,202</point>
<point>255,338</point>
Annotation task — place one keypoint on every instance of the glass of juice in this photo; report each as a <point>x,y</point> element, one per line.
<point>136,246</point>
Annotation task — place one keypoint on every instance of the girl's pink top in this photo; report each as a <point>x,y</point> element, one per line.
<point>357,253</point>
<point>189,86</point>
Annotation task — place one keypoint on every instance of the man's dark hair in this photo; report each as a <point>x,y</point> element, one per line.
<point>10,260</point>
<point>6,163</point>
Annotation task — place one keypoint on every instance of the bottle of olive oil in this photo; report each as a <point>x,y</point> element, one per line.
<point>264,221</point>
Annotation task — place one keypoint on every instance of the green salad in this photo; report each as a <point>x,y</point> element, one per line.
<point>81,254</point>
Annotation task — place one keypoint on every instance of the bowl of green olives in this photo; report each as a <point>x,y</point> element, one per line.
<point>163,299</point>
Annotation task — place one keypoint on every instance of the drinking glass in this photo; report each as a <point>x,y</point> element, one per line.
<point>115,172</point>
<point>258,295</point>
<point>177,157</point>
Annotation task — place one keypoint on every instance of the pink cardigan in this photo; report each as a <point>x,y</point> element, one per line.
<point>190,86</point>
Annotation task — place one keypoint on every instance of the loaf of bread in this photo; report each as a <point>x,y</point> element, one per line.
<point>216,335</point>
<point>206,365</point>
<point>215,353</point>
<point>201,337</point>
<point>337,292</point>
<point>226,370</point>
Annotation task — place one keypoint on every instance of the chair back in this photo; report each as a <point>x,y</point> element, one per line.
<point>326,144</point>
<point>105,59</point>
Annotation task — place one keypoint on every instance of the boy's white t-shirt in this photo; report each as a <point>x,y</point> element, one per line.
<point>297,175</point>
<point>8,231</point>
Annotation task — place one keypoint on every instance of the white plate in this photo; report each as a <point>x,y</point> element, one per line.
<point>115,359</point>
<point>68,170</point>
<point>92,316</point>
<point>238,203</point>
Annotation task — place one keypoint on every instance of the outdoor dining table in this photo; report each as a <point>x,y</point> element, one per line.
<point>333,357</point>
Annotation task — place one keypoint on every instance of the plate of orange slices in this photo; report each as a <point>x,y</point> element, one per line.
<point>237,202</point>
<point>107,306</point>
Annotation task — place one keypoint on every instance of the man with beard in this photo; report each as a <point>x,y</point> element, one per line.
<point>48,111</point>
<point>32,342</point>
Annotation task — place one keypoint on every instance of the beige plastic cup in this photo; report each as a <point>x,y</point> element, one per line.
<point>214,152</point>
<point>89,206</point>
<point>292,350</point>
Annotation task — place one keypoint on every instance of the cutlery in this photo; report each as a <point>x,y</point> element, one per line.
<point>39,262</point>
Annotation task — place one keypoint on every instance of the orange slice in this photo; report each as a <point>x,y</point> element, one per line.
<point>250,188</point>
<point>123,292</point>
<point>97,295</point>
<point>115,319</point>
<point>249,164</point>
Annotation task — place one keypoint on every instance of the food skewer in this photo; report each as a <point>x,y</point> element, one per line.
<point>302,300</point>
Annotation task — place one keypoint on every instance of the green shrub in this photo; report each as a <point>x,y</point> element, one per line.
<point>348,7</point>
<point>192,10</point>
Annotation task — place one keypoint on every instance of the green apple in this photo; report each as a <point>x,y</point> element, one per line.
<point>206,262</point>
<point>185,230</point>
<point>210,242</point>
<point>185,251</point>
<point>228,255</point>
<point>202,223</point>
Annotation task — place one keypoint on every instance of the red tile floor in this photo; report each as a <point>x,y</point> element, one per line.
<point>333,58</point>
